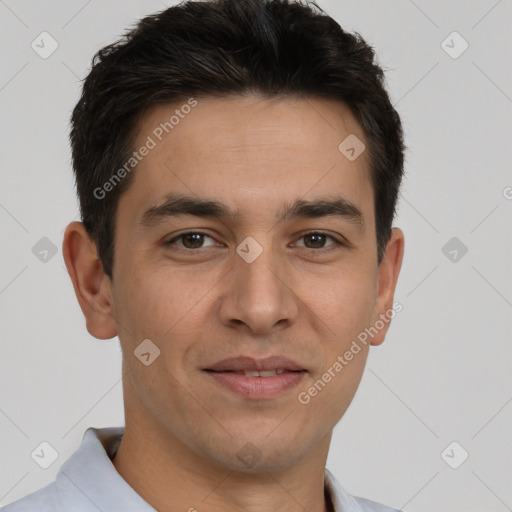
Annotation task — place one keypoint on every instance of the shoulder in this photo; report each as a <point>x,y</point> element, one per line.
<point>372,506</point>
<point>86,482</point>
<point>342,501</point>
<point>42,500</point>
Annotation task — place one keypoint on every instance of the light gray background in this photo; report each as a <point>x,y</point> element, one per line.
<point>444,372</point>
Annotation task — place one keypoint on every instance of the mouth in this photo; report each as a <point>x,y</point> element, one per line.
<point>256,373</point>
<point>244,364</point>
<point>257,378</point>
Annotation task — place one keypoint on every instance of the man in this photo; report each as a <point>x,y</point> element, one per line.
<point>237,166</point>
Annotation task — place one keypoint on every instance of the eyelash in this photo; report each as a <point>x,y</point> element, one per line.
<point>181,235</point>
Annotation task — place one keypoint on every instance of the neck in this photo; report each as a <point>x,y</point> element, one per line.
<point>172,478</point>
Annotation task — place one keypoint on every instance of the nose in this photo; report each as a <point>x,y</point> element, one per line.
<point>259,296</point>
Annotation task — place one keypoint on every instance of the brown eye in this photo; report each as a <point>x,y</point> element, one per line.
<point>315,240</point>
<point>190,240</point>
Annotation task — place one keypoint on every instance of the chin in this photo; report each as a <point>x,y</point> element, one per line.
<point>252,459</point>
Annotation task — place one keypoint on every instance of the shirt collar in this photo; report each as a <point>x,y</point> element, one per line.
<point>89,481</point>
<point>90,478</point>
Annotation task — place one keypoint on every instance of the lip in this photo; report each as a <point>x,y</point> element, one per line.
<point>237,364</point>
<point>259,388</point>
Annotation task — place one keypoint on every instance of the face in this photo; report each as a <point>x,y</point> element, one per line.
<point>251,278</point>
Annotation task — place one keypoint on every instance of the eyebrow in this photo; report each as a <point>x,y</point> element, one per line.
<point>177,204</point>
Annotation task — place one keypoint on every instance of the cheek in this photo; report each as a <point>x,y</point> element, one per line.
<point>163,306</point>
<point>345,305</point>
<point>344,301</point>
<point>330,392</point>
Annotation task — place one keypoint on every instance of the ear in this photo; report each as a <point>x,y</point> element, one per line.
<point>389,269</point>
<point>92,286</point>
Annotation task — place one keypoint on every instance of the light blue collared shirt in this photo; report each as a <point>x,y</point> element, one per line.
<point>89,482</point>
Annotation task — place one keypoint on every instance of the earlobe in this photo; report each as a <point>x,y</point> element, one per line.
<point>92,286</point>
<point>389,269</point>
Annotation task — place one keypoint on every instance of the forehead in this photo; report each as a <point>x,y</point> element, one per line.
<point>248,152</point>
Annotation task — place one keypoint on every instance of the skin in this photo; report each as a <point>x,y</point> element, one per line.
<point>307,301</point>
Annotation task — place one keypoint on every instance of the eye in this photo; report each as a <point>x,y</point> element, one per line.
<point>194,240</point>
<point>316,240</point>
<point>190,240</point>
